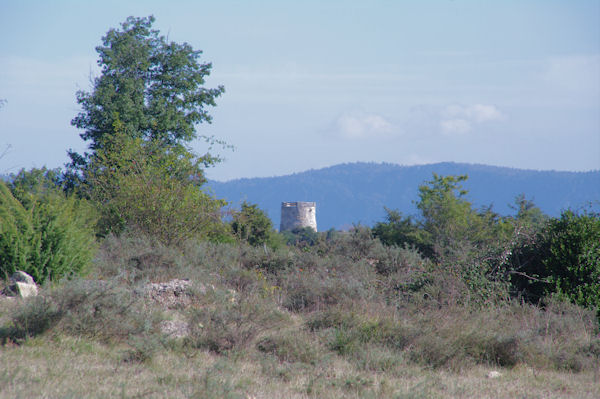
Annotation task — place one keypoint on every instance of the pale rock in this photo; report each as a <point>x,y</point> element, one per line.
<point>21,285</point>
<point>21,277</point>
<point>25,290</point>
<point>494,374</point>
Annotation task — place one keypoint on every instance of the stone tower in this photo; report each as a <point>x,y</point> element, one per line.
<point>298,214</point>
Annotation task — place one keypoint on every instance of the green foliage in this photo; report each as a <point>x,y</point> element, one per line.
<point>251,224</point>
<point>397,230</point>
<point>151,87</point>
<point>301,236</point>
<point>468,246</point>
<point>16,233</point>
<point>573,260</point>
<point>27,186</point>
<point>44,232</point>
<point>140,184</point>
<point>449,221</point>
<point>529,215</point>
<point>562,259</point>
<point>142,110</point>
<point>448,229</point>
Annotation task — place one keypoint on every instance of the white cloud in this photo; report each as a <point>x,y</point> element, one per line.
<point>357,126</point>
<point>460,126</point>
<point>459,119</point>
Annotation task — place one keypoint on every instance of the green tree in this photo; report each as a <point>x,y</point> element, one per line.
<point>466,244</point>
<point>252,224</point>
<point>450,227</point>
<point>397,230</point>
<point>139,184</point>
<point>141,113</point>
<point>528,214</point>
<point>28,186</point>
<point>152,88</point>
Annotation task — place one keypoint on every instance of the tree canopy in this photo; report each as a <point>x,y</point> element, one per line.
<point>152,88</point>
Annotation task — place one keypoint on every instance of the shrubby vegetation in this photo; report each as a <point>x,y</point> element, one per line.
<point>252,225</point>
<point>347,306</point>
<point>139,184</point>
<point>325,314</point>
<point>528,256</point>
<point>43,231</point>
<point>562,258</point>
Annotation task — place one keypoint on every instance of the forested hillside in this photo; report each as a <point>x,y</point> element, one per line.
<point>357,193</point>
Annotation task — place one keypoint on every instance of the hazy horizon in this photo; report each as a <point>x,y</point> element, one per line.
<point>313,84</point>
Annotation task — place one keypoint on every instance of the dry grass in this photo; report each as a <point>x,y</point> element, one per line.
<point>69,367</point>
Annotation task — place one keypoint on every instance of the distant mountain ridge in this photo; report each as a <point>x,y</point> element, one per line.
<point>353,193</point>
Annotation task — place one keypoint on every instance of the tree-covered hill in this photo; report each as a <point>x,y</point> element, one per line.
<point>357,192</point>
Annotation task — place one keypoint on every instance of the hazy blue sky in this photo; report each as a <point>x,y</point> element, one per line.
<point>316,83</point>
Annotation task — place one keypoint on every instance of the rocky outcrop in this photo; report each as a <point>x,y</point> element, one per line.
<point>170,295</point>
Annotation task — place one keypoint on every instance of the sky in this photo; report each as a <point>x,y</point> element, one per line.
<point>311,84</point>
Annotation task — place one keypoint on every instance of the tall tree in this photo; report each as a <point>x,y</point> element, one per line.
<point>151,88</point>
<point>142,111</point>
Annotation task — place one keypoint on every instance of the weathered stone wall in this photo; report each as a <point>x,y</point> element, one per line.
<point>298,214</point>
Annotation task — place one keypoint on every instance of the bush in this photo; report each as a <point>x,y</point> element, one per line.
<point>562,259</point>
<point>356,245</point>
<point>272,262</point>
<point>572,262</point>
<point>312,290</point>
<point>355,328</point>
<point>230,321</point>
<point>397,230</point>
<point>300,237</point>
<point>30,318</point>
<point>104,310</point>
<point>291,346</point>
<point>138,257</point>
<point>43,232</point>
<point>142,185</point>
<point>16,233</point>
<point>251,224</point>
